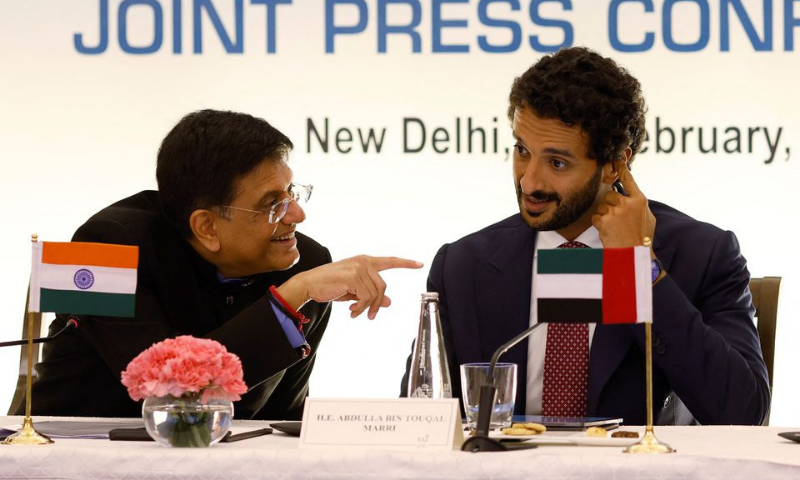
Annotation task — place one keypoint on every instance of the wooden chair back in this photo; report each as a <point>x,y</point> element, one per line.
<point>765,299</point>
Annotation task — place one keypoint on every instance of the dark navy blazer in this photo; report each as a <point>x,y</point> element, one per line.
<point>706,353</point>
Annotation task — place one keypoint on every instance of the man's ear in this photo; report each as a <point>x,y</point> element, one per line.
<point>204,228</point>
<point>611,170</point>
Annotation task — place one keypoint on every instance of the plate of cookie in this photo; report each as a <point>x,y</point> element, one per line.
<point>592,437</point>
<point>519,431</point>
<point>601,438</point>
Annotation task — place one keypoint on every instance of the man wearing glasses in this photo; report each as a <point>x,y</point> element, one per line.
<point>220,258</point>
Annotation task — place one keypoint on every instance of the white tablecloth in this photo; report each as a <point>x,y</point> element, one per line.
<point>725,453</point>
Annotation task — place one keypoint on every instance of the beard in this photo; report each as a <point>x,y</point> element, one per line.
<point>568,210</point>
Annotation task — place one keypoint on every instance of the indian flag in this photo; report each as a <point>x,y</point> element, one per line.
<point>84,278</point>
<point>590,285</point>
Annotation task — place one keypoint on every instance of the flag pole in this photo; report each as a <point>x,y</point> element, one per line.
<point>28,435</point>
<point>649,443</point>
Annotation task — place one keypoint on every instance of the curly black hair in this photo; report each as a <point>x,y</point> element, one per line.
<point>204,156</point>
<point>580,87</point>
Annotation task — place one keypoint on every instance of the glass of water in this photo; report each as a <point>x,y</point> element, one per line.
<point>473,376</point>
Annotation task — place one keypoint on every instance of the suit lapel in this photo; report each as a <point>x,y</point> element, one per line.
<point>503,299</point>
<point>610,345</point>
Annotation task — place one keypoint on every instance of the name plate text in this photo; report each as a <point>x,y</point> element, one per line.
<point>401,424</point>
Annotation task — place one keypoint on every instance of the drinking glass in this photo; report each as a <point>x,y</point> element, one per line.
<point>473,376</point>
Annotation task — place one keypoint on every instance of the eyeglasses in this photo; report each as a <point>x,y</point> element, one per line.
<point>298,193</point>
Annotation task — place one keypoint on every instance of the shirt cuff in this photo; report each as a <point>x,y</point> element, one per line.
<point>293,335</point>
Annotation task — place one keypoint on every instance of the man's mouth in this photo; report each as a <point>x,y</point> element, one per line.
<point>286,237</point>
<point>533,205</point>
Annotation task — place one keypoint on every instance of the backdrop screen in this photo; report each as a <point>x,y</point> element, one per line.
<point>397,110</point>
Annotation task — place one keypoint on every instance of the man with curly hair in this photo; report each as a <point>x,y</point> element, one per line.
<point>578,121</point>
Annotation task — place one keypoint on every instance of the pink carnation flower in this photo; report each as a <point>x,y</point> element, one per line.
<point>185,364</point>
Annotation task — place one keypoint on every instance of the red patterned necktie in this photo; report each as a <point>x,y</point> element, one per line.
<point>566,365</point>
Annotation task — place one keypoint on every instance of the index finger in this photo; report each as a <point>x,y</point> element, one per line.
<point>385,263</point>
<point>627,180</point>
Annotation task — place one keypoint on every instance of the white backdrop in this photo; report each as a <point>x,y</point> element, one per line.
<point>79,131</point>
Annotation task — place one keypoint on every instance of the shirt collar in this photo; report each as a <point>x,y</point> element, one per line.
<point>244,281</point>
<point>547,240</point>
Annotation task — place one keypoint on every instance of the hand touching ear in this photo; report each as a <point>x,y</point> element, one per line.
<point>624,221</point>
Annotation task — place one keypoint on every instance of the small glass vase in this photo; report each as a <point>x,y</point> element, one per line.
<point>186,421</point>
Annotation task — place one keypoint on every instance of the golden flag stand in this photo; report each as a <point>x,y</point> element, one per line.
<point>28,435</point>
<point>649,443</point>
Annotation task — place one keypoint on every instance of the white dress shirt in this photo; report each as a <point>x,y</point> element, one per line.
<point>537,342</point>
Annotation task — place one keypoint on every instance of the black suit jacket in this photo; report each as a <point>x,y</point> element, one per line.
<point>177,294</point>
<point>706,352</point>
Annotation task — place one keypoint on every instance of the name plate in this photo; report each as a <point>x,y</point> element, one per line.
<point>401,424</point>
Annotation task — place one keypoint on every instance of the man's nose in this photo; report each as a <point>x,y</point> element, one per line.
<point>294,214</point>
<point>531,179</point>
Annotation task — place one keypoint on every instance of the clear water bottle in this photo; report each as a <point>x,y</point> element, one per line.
<point>429,376</point>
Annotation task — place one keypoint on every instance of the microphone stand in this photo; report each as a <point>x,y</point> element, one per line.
<point>71,323</point>
<point>481,441</point>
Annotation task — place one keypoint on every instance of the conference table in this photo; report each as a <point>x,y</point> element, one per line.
<point>714,452</point>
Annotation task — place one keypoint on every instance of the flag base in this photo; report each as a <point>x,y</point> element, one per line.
<point>649,444</point>
<point>27,435</point>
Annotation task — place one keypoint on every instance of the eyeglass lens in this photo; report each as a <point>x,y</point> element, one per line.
<point>298,193</point>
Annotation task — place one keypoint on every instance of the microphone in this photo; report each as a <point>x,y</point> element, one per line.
<point>481,441</point>
<point>72,322</point>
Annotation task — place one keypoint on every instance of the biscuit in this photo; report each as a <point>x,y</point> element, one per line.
<point>518,431</point>
<point>624,434</point>
<point>537,427</point>
<point>596,432</point>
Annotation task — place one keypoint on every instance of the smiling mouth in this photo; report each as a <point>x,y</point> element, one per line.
<point>286,237</point>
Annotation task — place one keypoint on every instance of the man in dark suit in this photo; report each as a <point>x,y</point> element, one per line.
<point>578,121</point>
<point>219,257</point>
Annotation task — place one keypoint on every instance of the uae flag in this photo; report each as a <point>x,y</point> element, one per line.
<point>84,278</point>
<point>585,285</point>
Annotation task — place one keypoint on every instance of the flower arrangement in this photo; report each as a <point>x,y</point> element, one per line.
<point>185,382</point>
<point>185,364</point>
